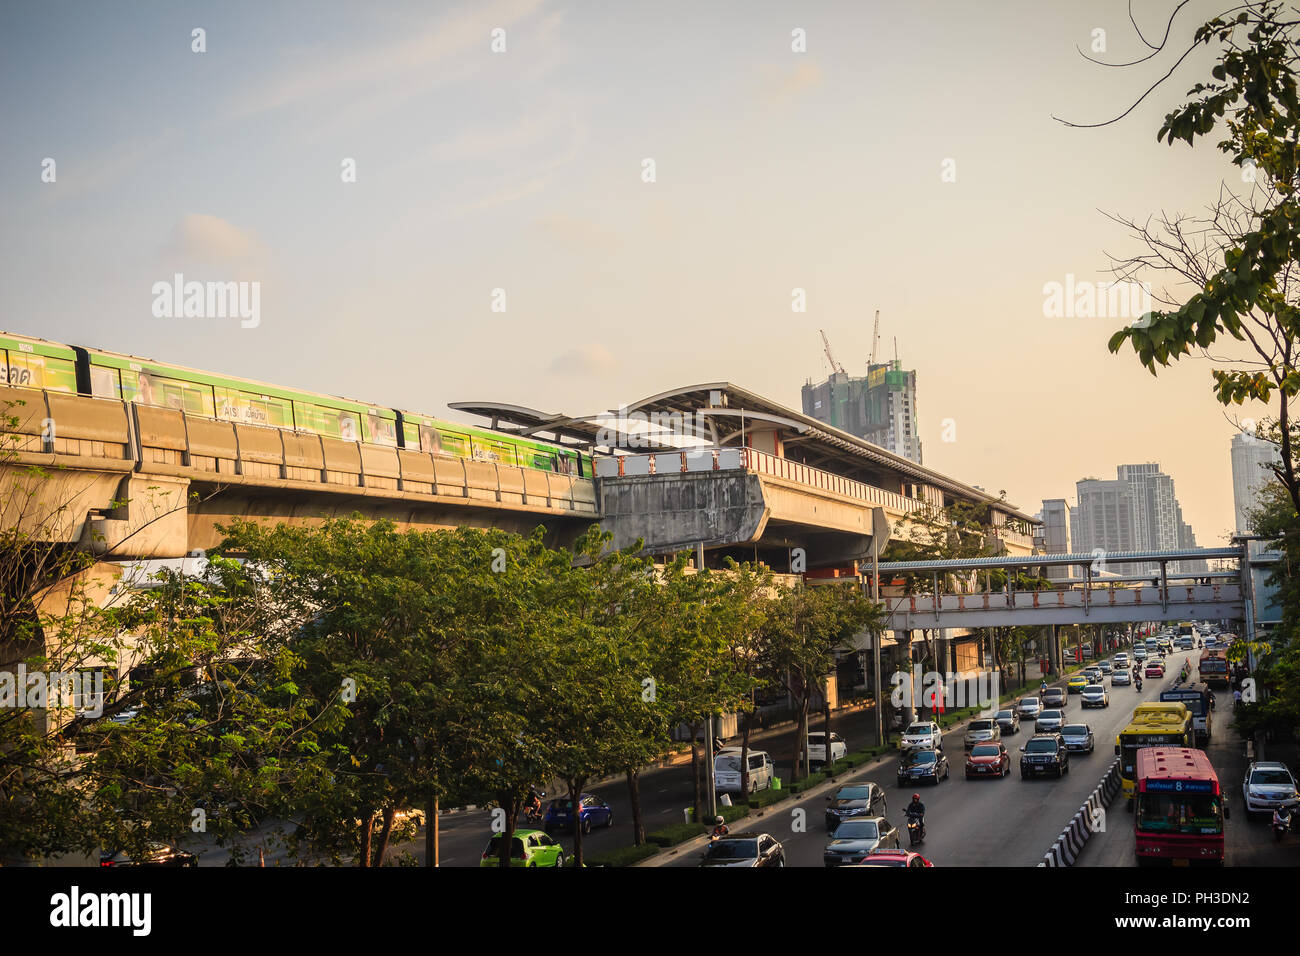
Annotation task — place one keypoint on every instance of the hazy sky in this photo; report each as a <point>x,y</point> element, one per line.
<point>523,171</point>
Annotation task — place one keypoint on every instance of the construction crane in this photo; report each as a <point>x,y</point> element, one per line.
<point>835,366</point>
<point>875,339</point>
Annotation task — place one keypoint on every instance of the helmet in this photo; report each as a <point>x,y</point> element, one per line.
<point>718,820</point>
<point>916,797</point>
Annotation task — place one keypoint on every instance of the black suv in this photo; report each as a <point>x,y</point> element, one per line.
<point>1044,754</point>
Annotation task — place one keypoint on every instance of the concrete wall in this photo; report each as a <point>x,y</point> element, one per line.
<point>674,511</point>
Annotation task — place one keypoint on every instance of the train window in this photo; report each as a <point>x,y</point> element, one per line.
<point>431,440</point>
<point>489,449</point>
<point>453,443</point>
<point>380,431</point>
<point>191,397</point>
<point>236,405</point>
<point>105,382</point>
<point>27,370</point>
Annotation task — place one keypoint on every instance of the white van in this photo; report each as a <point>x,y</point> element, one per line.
<point>726,770</point>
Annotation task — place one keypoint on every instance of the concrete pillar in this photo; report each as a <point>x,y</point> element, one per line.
<point>1054,649</point>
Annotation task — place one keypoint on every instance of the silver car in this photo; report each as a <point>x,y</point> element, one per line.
<point>981,731</point>
<point>1028,707</point>
<point>1269,785</point>
<point>1094,695</point>
<point>1049,721</point>
<point>1121,678</point>
<point>1078,737</point>
<point>854,839</point>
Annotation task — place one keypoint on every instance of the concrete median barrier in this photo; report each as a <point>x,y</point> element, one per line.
<point>1074,837</point>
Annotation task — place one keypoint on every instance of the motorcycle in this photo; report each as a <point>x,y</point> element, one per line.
<point>1281,824</point>
<point>533,812</point>
<point>1137,684</point>
<point>915,830</point>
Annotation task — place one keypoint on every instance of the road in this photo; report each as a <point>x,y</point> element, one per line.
<point>993,822</point>
<point>1247,842</point>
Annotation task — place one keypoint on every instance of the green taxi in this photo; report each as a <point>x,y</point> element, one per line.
<point>527,848</point>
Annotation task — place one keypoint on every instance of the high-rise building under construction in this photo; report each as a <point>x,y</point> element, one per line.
<point>880,407</point>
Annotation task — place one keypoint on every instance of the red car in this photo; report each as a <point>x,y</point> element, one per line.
<point>1155,669</point>
<point>892,858</point>
<point>988,760</point>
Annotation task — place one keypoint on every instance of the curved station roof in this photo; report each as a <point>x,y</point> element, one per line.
<point>721,412</point>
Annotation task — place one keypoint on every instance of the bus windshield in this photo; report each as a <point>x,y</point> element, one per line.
<point>1183,813</point>
<point>1135,742</point>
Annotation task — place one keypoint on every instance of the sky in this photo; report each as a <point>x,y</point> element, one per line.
<point>906,160</point>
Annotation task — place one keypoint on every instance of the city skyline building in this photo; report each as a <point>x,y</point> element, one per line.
<point>1138,510</point>
<point>880,407</point>
<point>1251,457</point>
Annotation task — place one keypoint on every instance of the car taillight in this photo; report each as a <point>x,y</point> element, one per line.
<point>105,862</point>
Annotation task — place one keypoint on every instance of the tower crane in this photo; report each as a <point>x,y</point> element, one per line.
<point>835,366</point>
<point>875,340</point>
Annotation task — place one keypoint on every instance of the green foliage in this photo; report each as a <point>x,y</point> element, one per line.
<point>624,856</point>
<point>733,813</point>
<point>765,798</point>
<point>675,833</point>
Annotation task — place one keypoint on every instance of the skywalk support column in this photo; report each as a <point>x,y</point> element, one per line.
<point>1054,650</point>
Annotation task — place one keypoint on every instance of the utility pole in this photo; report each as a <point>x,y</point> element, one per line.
<point>876,637</point>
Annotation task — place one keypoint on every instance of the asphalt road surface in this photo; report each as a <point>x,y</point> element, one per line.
<point>985,822</point>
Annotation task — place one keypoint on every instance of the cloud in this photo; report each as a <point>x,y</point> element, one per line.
<point>590,359</point>
<point>203,238</point>
<point>582,234</point>
<point>107,167</point>
<point>412,58</point>
<point>508,194</point>
<point>780,85</point>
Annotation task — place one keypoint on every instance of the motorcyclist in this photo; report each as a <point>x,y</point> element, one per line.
<point>1282,818</point>
<point>533,804</point>
<point>719,828</point>
<point>1042,687</point>
<point>916,811</point>
<point>1137,682</point>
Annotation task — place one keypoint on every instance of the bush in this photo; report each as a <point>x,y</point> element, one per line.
<point>623,856</point>
<point>731,813</point>
<point>807,782</point>
<point>765,798</point>
<point>676,833</point>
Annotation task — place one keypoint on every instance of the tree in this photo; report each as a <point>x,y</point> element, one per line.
<point>204,741</point>
<point>805,625</point>
<point>1235,270</point>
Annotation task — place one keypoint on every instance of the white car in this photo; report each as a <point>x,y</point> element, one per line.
<point>817,747</point>
<point>1269,785</point>
<point>922,734</point>
<point>1121,660</point>
<point>1094,695</point>
<point>1139,654</point>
